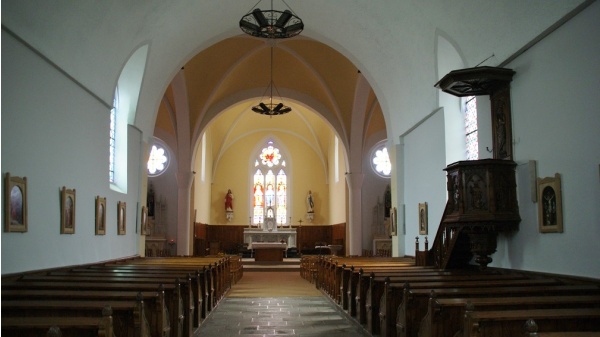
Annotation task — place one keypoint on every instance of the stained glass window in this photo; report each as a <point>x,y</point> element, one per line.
<point>269,190</point>
<point>380,161</point>
<point>270,155</point>
<point>281,197</point>
<point>471,128</point>
<point>158,160</point>
<point>258,198</point>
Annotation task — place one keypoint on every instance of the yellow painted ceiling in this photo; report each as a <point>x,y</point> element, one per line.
<point>303,70</point>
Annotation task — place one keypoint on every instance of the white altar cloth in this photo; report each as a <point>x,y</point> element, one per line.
<point>264,245</point>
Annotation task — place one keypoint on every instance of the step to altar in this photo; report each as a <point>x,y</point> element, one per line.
<point>288,264</point>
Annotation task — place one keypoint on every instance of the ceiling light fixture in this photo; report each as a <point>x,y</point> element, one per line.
<point>270,108</point>
<point>271,24</point>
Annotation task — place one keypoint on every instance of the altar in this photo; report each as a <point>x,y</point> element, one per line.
<point>268,237</point>
<point>254,235</point>
<point>268,251</point>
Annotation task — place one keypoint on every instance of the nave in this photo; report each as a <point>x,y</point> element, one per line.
<point>325,296</point>
<point>308,316</point>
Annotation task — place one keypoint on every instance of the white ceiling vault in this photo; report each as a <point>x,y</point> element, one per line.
<point>391,43</point>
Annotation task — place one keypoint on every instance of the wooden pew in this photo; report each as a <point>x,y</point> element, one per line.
<point>308,267</point>
<point>331,270</point>
<point>137,274</point>
<point>345,279</point>
<point>445,315</point>
<point>197,279</point>
<point>202,279</point>
<point>383,301</point>
<point>531,330</point>
<point>219,269</point>
<point>358,298</point>
<point>221,272</point>
<point>173,295</point>
<point>74,326</point>
<point>184,299</point>
<point>156,309</point>
<point>371,287</point>
<point>413,306</point>
<point>129,317</point>
<point>510,322</point>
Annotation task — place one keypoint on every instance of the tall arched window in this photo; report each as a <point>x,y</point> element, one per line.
<point>112,138</point>
<point>471,128</point>
<point>269,189</point>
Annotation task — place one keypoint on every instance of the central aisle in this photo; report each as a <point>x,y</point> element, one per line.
<point>275,304</point>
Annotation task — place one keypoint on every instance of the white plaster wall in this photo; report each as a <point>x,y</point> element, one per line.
<point>556,121</point>
<point>424,178</point>
<point>56,134</point>
<point>165,185</point>
<point>373,190</point>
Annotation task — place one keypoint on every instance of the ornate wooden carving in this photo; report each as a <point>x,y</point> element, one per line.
<point>501,122</point>
<point>482,201</point>
<point>491,81</point>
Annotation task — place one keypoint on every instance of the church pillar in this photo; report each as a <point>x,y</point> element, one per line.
<point>184,187</point>
<point>184,158</point>
<point>354,181</point>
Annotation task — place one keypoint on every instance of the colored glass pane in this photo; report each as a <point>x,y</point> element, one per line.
<point>269,190</point>
<point>472,141</point>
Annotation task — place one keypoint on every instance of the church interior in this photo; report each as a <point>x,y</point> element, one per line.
<point>456,134</point>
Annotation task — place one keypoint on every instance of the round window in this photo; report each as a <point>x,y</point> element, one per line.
<point>158,160</point>
<point>380,160</point>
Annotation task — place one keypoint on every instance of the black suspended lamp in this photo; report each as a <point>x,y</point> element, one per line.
<point>271,24</point>
<point>270,108</point>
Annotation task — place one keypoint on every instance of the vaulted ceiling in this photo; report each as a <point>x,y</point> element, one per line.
<point>392,43</point>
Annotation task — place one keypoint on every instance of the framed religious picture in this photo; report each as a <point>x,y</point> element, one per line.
<point>144,221</point>
<point>393,221</point>
<point>100,215</point>
<point>15,204</point>
<point>67,211</point>
<point>121,223</point>
<point>423,218</point>
<point>550,205</point>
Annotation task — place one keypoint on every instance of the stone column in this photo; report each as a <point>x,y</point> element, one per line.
<point>354,181</point>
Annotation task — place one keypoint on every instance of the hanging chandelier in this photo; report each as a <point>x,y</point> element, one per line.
<point>271,24</point>
<point>270,108</point>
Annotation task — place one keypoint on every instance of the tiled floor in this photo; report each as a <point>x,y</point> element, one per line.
<point>280,316</point>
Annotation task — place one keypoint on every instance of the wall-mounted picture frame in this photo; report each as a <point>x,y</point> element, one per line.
<point>67,210</point>
<point>393,221</point>
<point>550,218</point>
<point>121,218</point>
<point>144,221</point>
<point>423,225</point>
<point>100,215</point>
<point>15,204</point>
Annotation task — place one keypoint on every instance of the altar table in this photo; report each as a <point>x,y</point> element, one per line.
<point>268,251</point>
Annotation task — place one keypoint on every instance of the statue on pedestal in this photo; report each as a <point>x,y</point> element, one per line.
<point>229,205</point>
<point>310,204</point>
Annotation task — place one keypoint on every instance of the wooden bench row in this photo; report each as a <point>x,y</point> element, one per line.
<point>148,296</point>
<point>394,299</point>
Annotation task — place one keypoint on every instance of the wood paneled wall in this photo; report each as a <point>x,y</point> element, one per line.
<point>231,238</point>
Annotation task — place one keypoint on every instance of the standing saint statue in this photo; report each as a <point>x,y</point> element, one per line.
<point>310,203</point>
<point>229,201</point>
